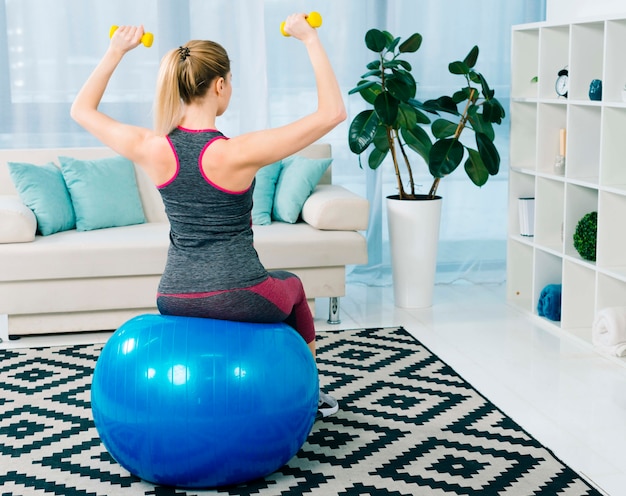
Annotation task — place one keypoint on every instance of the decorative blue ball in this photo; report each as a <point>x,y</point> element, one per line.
<point>192,402</point>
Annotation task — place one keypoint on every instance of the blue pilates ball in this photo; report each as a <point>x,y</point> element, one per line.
<point>191,402</point>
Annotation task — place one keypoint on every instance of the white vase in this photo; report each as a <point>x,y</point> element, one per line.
<point>414,237</point>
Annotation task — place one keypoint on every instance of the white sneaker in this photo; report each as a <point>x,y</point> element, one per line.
<point>326,406</point>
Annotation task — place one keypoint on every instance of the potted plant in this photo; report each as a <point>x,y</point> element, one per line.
<point>398,124</point>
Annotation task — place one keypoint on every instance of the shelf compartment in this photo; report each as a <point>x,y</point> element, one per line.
<point>553,56</point>
<point>525,59</point>
<point>579,201</point>
<point>615,69</point>
<point>521,185</point>
<point>549,201</point>
<point>611,247</point>
<point>548,270</point>
<point>578,296</point>
<point>583,143</point>
<point>587,58</point>
<point>551,118</point>
<point>611,292</point>
<point>613,148</point>
<point>520,275</point>
<point>523,135</point>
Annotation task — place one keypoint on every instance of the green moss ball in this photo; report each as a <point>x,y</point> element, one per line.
<point>586,236</point>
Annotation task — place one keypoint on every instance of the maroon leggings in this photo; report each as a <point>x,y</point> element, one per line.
<point>280,298</point>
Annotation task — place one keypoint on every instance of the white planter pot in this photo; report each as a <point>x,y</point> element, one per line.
<point>414,237</point>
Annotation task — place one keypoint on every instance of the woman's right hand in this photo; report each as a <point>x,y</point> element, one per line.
<point>126,38</point>
<point>297,26</point>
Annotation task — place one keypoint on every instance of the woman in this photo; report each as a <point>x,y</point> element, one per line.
<point>206,180</point>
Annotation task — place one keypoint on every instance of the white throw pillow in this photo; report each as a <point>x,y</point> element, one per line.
<point>17,222</point>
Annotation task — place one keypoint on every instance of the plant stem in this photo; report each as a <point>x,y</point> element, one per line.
<point>433,188</point>
<point>392,149</point>
<point>408,165</point>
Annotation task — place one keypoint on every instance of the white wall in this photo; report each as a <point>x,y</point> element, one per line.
<point>560,11</point>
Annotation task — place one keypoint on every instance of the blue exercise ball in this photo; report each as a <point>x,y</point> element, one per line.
<point>192,402</point>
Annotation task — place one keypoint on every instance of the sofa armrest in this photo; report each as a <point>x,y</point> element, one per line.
<point>18,223</point>
<point>334,208</point>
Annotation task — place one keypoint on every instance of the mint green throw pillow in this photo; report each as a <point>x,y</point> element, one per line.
<point>103,191</point>
<point>263,194</point>
<point>297,180</point>
<point>42,189</point>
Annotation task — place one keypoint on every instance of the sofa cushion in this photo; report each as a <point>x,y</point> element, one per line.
<point>336,208</point>
<point>297,180</point>
<point>103,191</point>
<point>17,222</point>
<point>118,251</point>
<point>43,190</point>
<point>263,195</point>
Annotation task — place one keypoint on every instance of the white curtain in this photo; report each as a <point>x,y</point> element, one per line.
<point>49,47</point>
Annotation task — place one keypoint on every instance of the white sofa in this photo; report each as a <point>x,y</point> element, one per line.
<point>95,280</point>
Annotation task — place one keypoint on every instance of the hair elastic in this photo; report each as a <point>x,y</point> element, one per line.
<point>183,52</point>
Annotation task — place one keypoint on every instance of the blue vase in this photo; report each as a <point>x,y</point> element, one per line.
<point>595,90</point>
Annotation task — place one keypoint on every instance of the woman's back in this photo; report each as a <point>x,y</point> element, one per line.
<point>211,236</point>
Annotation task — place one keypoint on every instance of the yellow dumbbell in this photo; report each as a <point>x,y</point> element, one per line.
<point>314,19</point>
<point>146,39</point>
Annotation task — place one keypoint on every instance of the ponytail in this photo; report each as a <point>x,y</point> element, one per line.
<point>185,75</point>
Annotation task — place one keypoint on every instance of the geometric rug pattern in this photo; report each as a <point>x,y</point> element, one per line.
<point>408,425</point>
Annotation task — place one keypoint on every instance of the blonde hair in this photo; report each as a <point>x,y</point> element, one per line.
<point>185,75</point>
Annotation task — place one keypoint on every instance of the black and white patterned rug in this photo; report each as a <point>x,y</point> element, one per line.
<point>408,425</point>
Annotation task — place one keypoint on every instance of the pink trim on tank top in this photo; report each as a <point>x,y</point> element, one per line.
<point>217,186</point>
<point>160,186</point>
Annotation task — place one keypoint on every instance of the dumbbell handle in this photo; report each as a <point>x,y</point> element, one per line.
<point>146,38</point>
<point>314,19</point>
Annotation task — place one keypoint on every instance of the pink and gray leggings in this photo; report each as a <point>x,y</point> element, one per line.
<point>280,298</point>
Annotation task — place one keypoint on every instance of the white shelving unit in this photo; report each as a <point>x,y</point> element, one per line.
<point>595,170</point>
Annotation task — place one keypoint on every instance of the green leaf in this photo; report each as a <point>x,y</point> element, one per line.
<point>380,138</point>
<point>388,64</point>
<point>376,158</point>
<point>458,67</point>
<point>389,37</point>
<point>461,95</point>
<point>441,104</point>
<point>374,64</point>
<point>443,129</point>
<point>417,140</point>
<point>405,65</point>
<point>488,153</point>
<point>497,111</point>
<point>375,40</point>
<point>370,93</point>
<point>419,106</point>
<point>392,46</point>
<point>445,156</point>
<point>401,85</point>
<point>410,117</point>
<point>363,85</point>
<point>406,116</point>
<point>374,72</point>
<point>472,57</point>
<point>487,92</point>
<point>386,107</point>
<point>475,168</point>
<point>479,123</point>
<point>362,130</point>
<point>411,44</point>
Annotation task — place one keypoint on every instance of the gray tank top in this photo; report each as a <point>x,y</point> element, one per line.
<point>211,240</point>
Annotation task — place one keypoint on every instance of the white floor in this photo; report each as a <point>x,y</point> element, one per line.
<point>559,389</point>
